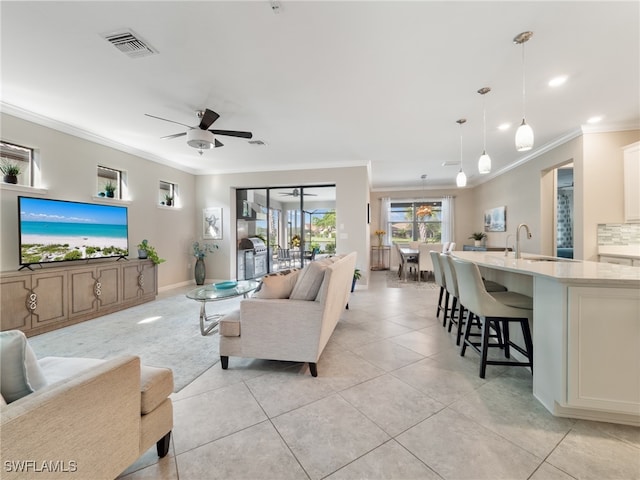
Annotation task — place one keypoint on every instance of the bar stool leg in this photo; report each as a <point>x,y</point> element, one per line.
<point>484,349</point>
<point>446,308</point>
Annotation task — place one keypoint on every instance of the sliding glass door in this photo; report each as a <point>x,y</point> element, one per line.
<point>295,225</point>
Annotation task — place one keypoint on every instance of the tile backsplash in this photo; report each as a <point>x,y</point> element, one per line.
<point>619,234</point>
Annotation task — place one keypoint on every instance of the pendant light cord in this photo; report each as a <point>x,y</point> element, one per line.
<point>523,83</point>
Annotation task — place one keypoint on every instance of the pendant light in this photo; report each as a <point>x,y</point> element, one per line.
<point>484,162</point>
<point>461,178</point>
<point>524,134</point>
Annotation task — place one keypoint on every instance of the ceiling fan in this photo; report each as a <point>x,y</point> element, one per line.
<point>296,193</point>
<point>200,137</point>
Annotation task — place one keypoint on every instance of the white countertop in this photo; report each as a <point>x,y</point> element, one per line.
<point>564,270</point>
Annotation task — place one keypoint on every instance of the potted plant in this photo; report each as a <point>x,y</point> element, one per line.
<point>357,275</point>
<point>200,251</point>
<point>168,200</point>
<point>147,251</point>
<point>109,189</point>
<point>478,237</point>
<point>10,172</point>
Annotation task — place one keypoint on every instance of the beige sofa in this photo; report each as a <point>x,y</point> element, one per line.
<point>290,329</point>
<point>93,419</point>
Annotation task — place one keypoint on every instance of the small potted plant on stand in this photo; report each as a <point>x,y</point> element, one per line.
<point>168,200</point>
<point>147,251</point>
<point>200,251</point>
<point>478,237</point>
<point>10,172</point>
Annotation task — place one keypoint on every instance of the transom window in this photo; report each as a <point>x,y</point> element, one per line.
<point>109,182</point>
<point>416,221</point>
<point>167,193</point>
<point>19,156</point>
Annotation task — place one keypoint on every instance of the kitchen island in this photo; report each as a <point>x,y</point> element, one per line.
<point>586,332</point>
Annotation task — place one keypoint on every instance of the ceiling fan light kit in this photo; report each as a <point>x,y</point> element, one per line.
<point>200,139</point>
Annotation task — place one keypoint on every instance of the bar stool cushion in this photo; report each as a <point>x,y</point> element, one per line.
<point>514,299</point>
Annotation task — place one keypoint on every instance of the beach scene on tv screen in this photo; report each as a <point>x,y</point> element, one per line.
<point>52,231</point>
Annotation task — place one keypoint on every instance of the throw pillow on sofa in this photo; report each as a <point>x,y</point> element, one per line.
<point>20,373</point>
<point>310,279</point>
<point>277,285</point>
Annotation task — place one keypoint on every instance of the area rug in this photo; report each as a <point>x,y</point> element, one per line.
<point>163,333</point>
<point>393,281</point>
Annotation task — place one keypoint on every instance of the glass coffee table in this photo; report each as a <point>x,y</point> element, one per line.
<point>215,292</point>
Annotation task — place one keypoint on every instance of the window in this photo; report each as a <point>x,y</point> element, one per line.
<point>167,193</point>
<point>416,221</point>
<point>22,157</point>
<point>109,182</point>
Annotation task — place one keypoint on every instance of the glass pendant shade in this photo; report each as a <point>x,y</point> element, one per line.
<point>484,163</point>
<point>524,137</point>
<point>461,179</point>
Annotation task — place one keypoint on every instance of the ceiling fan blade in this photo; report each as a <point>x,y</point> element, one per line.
<point>218,143</point>
<point>232,133</point>
<point>208,117</point>
<point>175,135</point>
<point>312,194</point>
<point>172,121</point>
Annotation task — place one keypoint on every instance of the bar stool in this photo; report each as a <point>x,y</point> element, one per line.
<point>500,308</point>
<point>439,279</point>
<point>451,286</point>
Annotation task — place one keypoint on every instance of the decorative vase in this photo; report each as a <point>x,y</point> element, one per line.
<point>110,195</point>
<point>10,179</point>
<point>379,240</point>
<point>200,271</point>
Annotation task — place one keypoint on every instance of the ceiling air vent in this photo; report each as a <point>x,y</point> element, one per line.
<point>449,163</point>
<point>130,44</point>
<point>256,142</point>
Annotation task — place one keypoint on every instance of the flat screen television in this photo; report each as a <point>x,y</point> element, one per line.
<point>59,230</point>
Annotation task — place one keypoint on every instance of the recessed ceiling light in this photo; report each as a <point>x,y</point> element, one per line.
<point>559,80</point>
<point>504,126</point>
<point>595,119</point>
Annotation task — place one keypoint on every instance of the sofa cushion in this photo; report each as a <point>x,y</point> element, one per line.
<point>309,280</point>
<point>20,373</point>
<point>156,384</point>
<point>229,325</point>
<point>277,285</point>
<point>61,368</point>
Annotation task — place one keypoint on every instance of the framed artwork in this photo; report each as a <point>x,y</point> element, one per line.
<point>495,219</point>
<point>212,223</point>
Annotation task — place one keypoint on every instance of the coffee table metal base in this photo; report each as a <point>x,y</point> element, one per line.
<point>214,319</point>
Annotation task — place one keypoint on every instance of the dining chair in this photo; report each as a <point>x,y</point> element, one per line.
<point>492,311</point>
<point>284,257</point>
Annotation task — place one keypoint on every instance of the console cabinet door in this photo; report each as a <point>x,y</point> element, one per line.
<point>82,290</point>
<point>107,287</point>
<point>51,297</point>
<point>149,280</point>
<point>130,283</point>
<point>14,295</point>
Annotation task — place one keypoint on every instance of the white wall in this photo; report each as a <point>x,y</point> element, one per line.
<point>68,171</point>
<point>528,192</point>
<point>352,196</point>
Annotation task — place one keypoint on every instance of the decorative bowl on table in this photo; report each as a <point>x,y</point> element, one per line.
<point>225,285</point>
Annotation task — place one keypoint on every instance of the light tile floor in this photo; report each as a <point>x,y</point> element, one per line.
<point>393,400</point>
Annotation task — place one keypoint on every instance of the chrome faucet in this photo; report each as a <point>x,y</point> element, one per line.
<point>506,245</point>
<point>526,227</point>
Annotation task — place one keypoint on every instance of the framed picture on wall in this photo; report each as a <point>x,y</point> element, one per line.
<point>495,219</point>
<point>212,223</point>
